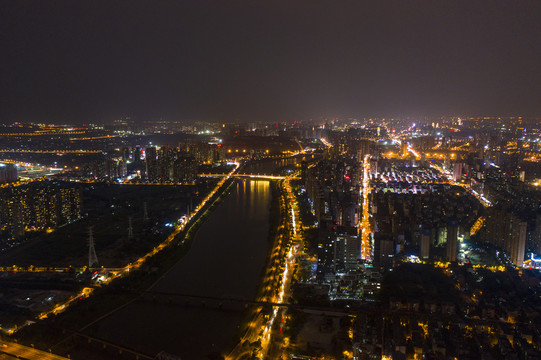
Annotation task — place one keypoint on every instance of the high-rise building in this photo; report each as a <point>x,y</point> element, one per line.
<point>166,158</point>
<point>452,239</point>
<point>185,169</point>
<point>137,155</point>
<point>363,148</point>
<point>170,165</point>
<point>458,172</point>
<point>304,168</point>
<point>352,251</point>
<point>384,251</point>
<point>38,206</point>
<point>441,237</point>
<point>347,252</point>
<point>447,162</point>
<point>151,160</point>
<point>424,251</point>
<point>516,243</point>
<point>537,234</point>
<point>508,232</point>
<point>404,148</point>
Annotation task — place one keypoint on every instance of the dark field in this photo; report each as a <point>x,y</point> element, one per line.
<point>107,208</point>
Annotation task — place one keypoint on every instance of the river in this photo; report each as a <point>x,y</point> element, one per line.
<point>226,259</point>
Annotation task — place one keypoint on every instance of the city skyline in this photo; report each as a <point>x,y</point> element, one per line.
<point>363,221</point>
<point>200,179</point>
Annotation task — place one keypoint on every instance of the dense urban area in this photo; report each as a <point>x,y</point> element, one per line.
<point>388,238</point>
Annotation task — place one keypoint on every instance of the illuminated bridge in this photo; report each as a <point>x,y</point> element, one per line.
<point>253,176</point>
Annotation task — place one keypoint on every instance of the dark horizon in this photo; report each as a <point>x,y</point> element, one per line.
<point>73,62</point>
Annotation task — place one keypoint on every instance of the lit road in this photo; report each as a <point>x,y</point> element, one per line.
<point>42,133</point>
<point>264,327</point>
<point>51,151</point>
<point>412,150</point>
<point>30,171</point>
<point>20,163</point>
<point>268,336</point>
<point>365,229</point>
<point>25,352</point>
<point>184,221</point>
<point>325,142</point>
<point>477,225</point>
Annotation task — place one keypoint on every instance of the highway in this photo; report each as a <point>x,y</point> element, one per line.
<point>25,352</point>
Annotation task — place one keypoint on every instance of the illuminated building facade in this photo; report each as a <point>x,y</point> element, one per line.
<point>347,252</point>
<point>169,165</point>
<point>508,232</point>
<point>39,206</point>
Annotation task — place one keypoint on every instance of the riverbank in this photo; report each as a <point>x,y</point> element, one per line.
<point>182,315</point>
<point>248,331</point>
<point>54,332</point>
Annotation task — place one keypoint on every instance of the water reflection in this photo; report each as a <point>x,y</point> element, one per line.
<point>226,259</point>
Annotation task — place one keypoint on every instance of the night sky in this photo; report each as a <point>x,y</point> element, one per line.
<point>80,61</point>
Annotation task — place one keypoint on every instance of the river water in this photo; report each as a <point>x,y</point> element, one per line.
<point>226,259</point>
